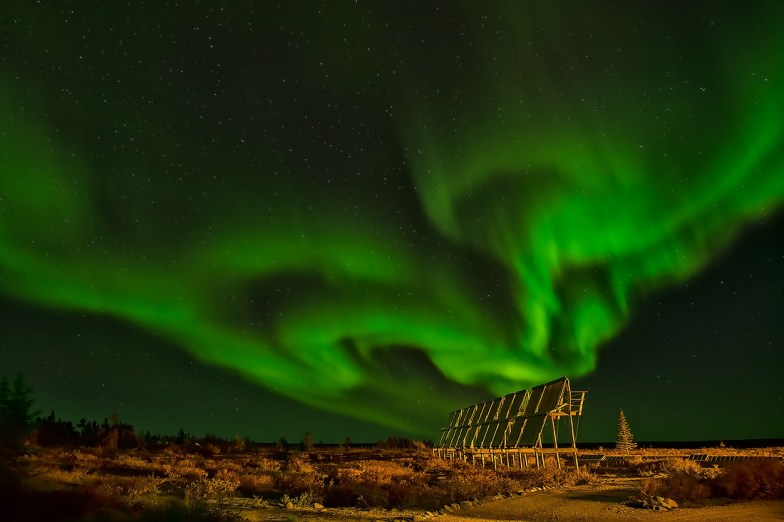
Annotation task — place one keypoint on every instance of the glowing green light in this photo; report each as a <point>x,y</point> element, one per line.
<point>546,189</point>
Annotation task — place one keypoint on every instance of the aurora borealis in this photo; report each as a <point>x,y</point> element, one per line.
<point>379,211</point>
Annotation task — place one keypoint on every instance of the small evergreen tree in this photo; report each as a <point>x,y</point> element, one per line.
<point>306,444</point>
<point>17,416</point>
<point>282,448</point>
<point>238,444</point>
<point>625,438</point>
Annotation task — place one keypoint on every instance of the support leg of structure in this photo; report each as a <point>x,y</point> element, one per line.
<point>555,441</point>
<point>574,441</point>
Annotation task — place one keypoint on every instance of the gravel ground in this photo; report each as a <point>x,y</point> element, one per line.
<point>602,502</point>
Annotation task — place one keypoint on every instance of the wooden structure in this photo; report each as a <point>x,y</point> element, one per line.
<point>506,430</point>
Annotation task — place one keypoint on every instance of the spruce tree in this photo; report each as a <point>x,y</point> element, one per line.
<point>625,438</point>
<point>17,416</point>
<point>306,444</point>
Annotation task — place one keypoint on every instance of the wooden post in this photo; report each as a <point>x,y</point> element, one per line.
<point>574,442</point>
<point>555,441</point>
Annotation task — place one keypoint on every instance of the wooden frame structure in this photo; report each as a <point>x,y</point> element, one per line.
<point>508,429</point>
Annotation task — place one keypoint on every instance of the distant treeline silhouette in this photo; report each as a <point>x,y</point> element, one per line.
<point>114,434</point>
<point>19,424</point>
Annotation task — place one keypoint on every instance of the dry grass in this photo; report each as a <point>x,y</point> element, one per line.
<point>138,479</point>
<point>211,486</point>
<point>684,452</point>
<point>687,482</point>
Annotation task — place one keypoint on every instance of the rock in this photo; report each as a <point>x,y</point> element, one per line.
<point>418,518</point>
<point>466,504</point>
<point>654,503</point>
<point>447,508</point>
<point>289,505</point>
<point>318,506</point>
<point>456,506</point>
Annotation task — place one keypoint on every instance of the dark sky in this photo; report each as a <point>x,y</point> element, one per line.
<point>352,218</point>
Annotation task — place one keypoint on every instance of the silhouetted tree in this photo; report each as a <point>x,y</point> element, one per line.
<point>89,432</point>
<point>108,440</point>
<point>16,410</point>
<point>399,443</point>
<point>306,444</point>
<point>51,431</point>
<point>238,444</point>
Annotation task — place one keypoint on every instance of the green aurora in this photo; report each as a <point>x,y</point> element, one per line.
<point>295,193</point>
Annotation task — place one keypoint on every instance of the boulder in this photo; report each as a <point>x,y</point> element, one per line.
<point>668,503</point>
<point>655,503</point>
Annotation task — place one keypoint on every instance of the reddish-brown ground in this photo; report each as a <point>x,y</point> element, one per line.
<point>602,501</point>
<point>605,501</point>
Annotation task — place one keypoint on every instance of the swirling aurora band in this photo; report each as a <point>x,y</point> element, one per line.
<point>492,186</point>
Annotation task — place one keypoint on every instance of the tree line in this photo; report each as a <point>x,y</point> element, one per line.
<point>20,425</point>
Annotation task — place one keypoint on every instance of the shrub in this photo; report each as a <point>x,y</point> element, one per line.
<point>304,499</point>
<point>255,484</point>
<point>185,468</point>
<point>264,464</point>
<point>131,490</point>
<point>203,490</point>
<point>751,480</point>
<point>685,481</point>
<point>683,487</point>
<point>300,476</point>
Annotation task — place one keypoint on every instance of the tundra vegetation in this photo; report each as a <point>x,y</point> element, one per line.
<point>53,470</point>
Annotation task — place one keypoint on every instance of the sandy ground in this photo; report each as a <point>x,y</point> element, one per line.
<point>605,502</point>
<point>586,503</point>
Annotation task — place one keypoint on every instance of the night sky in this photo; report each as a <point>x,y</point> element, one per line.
<point>353,217</point>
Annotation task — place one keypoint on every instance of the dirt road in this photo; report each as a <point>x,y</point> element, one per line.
<point>605,502</point>
<point>602,501</point>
